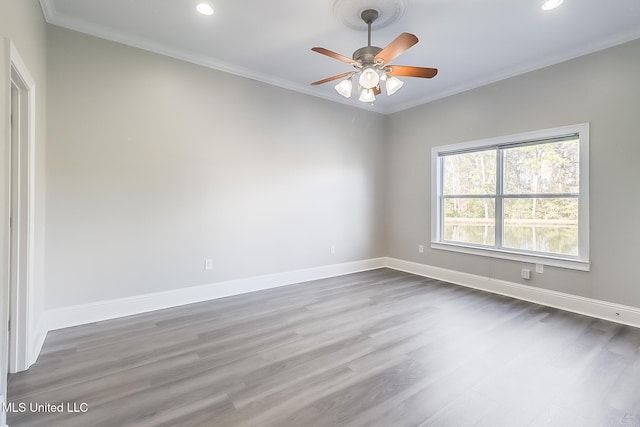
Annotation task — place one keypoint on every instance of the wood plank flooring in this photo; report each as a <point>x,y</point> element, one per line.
<point>377,348</point>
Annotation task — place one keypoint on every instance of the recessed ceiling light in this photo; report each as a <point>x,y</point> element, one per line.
<point>205,8</point>
<point>551,4</point>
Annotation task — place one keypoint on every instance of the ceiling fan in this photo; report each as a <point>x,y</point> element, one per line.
<point>372,65</point>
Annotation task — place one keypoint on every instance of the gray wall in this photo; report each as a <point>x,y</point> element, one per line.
<point>602,88</point>
<point>23,24</point>
<point>155,165</point>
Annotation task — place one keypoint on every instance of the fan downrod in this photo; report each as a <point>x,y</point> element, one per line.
<point>368,16</point>
<point>365,55</point>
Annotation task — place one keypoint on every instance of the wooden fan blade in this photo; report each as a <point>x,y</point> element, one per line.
<point>333,55</point>
<point>407,71</point>
<point>403,42</point>
<point>328,79</point>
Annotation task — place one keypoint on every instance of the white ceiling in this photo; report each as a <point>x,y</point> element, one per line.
<point>471,42</point>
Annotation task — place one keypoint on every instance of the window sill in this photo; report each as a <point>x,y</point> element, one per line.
<point>573,264</point>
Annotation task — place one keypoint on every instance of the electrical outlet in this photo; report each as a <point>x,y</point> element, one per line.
<point>332,249</point>
<point>421,249</point>
<point>525,274</point>
<point>208,264</point>
<point>539,268</point>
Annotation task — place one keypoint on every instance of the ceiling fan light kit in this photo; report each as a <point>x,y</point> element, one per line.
<point>393,84</point>
<point>371,64</point>
<point>369,78</point>
<point>344,87</point>
<point>367,95</point>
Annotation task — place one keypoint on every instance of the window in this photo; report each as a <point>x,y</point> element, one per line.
<point>522,197</point>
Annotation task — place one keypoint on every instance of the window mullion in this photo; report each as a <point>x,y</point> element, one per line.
<point>499,219</point>
<point>440,218</point>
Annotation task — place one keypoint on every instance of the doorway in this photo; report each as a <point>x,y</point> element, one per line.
<point>22,150</point>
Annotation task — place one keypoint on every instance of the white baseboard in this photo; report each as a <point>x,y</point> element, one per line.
<point>39,335</point>
<point>111,309</point>
<point>93,312</point>
<point>591,307</point>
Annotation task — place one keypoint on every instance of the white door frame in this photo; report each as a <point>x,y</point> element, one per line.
<point>21,356</point>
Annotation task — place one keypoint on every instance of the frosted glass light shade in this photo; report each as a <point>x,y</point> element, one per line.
<point>369,78</point>
<point>367,95</point>
<point>393,84</point>
<point>344,88</point>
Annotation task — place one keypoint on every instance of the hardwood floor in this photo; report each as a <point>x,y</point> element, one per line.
<point>377,348</point>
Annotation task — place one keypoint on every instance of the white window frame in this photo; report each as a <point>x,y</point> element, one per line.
<point>580,262</point>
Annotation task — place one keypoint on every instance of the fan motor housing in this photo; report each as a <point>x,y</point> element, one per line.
<point>365,55</point>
